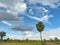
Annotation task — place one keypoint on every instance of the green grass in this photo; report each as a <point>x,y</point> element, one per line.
<point>20,43</point>
<point>57,42</point>
<point>26,42</point>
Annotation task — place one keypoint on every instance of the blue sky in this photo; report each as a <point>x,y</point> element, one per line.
<point>18,18</point>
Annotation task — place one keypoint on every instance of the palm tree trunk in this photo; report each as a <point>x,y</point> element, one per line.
<point>41,38</point>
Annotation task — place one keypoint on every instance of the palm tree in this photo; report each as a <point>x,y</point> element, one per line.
<point>40,27</point>
<point>2,34</point>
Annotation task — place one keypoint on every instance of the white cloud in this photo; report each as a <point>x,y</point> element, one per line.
<point>43,19</point>
<point>50,3</point>
<point>22,28</point>
<point>15,37</point>
<point>12,12</point>
<point>48,34</point>
<point>45,10</point>
<point>51,33</point>
<point>35,10</point>
<point>20,7</point>
<point>12,8</point>
<point>5,22</point>
<point>14,5</point>
<point>10,3</point>
<point>2,5</point>
<point>39,14</point>
<point>4,16</point>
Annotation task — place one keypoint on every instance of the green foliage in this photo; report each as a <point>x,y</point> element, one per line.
<point>56,39</point>
<point>40,26</point>
<point>2,34</point>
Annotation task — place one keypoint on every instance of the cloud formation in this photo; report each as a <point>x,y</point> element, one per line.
<point>50,34</point>
<point>9,10</point>
<point>38,13</point>
<point>13,6</point>
<point>16,5</point>
<point>4,16</point>
<point>2,5</point>
<point>51,3</point>
<point>22,28</point>
<point>43,19</point>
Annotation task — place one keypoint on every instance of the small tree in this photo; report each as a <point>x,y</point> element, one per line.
<point>2,34</point>
<point>40,27</point>
<point>8,39</point>
<point>56,39</point>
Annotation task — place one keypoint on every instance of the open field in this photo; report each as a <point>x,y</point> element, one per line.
<point>20,43</point>
<point>29,43</point>
<point>57,42</point>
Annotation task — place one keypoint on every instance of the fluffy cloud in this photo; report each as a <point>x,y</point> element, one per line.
<point>48,34</point>
<point>22,28</point>
<point>14,5</point>
<point>20,8</point>
<point>8,17</point>
<point>9,10</point>
<point>51,3</point>
<point>51,33</point>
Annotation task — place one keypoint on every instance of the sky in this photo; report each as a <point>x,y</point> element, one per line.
<point>18,18</point>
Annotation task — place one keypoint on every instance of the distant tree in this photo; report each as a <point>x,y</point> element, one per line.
<point>2,34</point>
<point>44,40</point>
<point>40,27</point>
<point>8,39</point>
<point>27,39</point>
<point>56,39</point>
<point>51,40</point>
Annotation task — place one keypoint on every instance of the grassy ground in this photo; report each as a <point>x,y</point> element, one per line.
<point>29,43</point>
<point>57,42</point>
<point>20,43</point>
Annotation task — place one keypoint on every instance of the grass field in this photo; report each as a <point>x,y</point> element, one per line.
<point>20,43</point>
<point>57,42</point>
<point>29,43</point>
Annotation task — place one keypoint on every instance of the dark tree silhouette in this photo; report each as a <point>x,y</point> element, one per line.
<point>56,39</point>
<point>2,34</point>
<point>40,27</point>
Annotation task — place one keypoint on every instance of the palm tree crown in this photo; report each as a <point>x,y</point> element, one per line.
<point>40,26</point>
